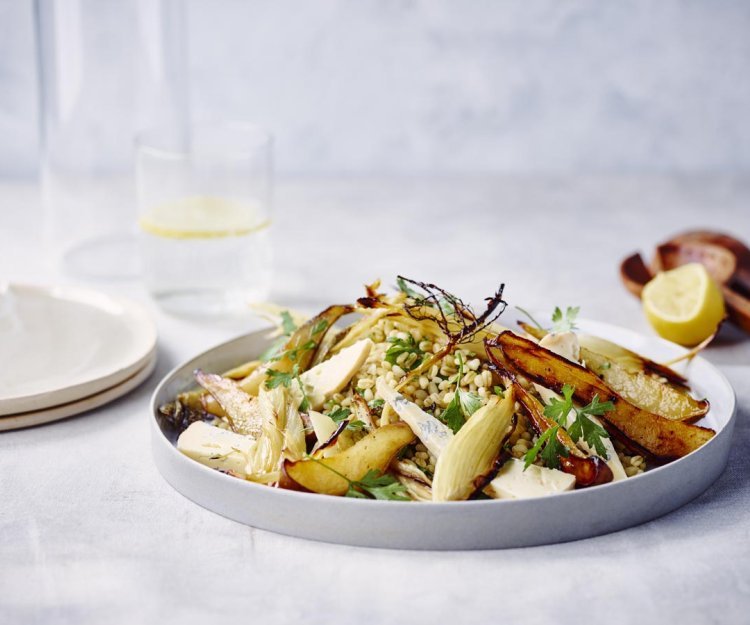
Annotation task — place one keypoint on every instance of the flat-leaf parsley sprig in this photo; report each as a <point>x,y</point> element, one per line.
<point>464,403</point>
<point>374,485</point>
<point>583,427</point>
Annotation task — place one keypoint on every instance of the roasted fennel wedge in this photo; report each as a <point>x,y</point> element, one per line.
<point>469,461</point>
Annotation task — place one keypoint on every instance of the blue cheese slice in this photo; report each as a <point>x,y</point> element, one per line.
<point>215,447</point>
<point>334,374</point>
<point>433,434</point>
<point>512,482</point>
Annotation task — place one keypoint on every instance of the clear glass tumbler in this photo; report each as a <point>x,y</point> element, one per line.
<point>204,199</point>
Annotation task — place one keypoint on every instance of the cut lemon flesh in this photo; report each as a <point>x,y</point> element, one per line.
<point>684,305</point>
<point>202,217</point>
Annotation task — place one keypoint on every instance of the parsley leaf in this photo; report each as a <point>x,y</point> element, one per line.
<point>287,323</point>
<point>374,485</point>
<point>294,353</point>
<point>341,414</point>
<point>548,448</point>
<point>470,402</point>
<point>463,405</point>
<point>279,378</point>
<point>378,486</point>
<point>565,322</point>
<point>589,430</point>
<point>321,325</point>
<point>452,416</point>
<point>559,409</point>
<point>582,427</point>
<point>275,351</point>
<point>400,346</point>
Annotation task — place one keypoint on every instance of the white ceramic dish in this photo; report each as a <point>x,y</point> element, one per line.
<point>62,344</point>
<point>63,411</point>
<point>487,524</point>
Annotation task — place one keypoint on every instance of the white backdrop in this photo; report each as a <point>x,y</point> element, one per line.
<point>445,86</point>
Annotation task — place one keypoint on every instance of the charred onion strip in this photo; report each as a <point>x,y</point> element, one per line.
<point>589,470</point>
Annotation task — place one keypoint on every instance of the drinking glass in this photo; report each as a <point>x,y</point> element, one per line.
<point>204,202</point>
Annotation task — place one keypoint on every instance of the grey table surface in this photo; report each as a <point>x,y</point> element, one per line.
<point>90,533</point>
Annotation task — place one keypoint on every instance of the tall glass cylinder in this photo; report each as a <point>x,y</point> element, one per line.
<point>107,70</point>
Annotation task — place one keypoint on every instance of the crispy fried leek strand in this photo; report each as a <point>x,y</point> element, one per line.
<point>242,410</point>
<point>374,452</point>
<point>641,381</point>
<point>467,462</point>
<point>659,436</point>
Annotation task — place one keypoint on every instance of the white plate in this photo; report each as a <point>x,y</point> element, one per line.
<point>61,344</point>
<point>486,524</point>
<point>56,413</point>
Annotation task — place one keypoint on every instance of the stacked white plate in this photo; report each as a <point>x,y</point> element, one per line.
<point>66,350</point>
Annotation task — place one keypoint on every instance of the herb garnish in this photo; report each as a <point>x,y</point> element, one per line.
<point>561,322</point>
<point>404,346</point>
<point>341,414</point>
<point>463,405</point>
<point>287,327</point>
<point>583,426</point>
<point>374,485</point>
<point>565,322</point>
<point>280,378</point>
<point>548,447</point>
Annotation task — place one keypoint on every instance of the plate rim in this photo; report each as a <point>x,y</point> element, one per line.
<point>80,406</point>
<point>581,493</point>
<point>138,319</point>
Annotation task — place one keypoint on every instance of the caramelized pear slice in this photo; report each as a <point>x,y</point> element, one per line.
<point>374,452</point>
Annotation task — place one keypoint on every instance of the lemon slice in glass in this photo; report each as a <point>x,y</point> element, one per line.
<point>684,305</point>
<point>202,217</point>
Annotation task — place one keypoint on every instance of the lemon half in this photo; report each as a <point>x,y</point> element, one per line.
<point>684,305</point>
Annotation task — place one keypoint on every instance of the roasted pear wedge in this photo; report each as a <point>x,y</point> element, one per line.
<point>637,428</point>
<point>469,460</point>
<point>374,452</point>
<point>641,381</point>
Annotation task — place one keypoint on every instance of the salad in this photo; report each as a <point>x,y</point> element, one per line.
<point>415,396</point>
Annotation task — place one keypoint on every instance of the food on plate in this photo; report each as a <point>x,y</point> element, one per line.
<point>414,396</point>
